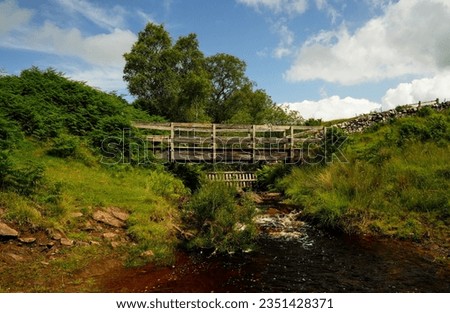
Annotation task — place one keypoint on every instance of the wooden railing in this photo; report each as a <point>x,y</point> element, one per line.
<point>238,179</point>
<point>199,142</point>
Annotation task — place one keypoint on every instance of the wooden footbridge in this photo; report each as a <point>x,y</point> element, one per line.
<point>225,143</point>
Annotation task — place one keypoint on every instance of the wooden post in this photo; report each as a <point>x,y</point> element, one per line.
<point>325,142</point>
<point>253,143</point>
<point>214,145</point>
<point>291,150</point>
<point>172,143</point>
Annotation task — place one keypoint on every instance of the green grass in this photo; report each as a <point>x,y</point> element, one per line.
<point>395,184</point>
<point>150,196</point>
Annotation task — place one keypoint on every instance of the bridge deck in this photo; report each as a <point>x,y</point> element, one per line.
<point>198,142</point>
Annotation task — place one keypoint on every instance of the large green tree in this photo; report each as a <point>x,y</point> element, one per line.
<point>177,81</point>
<point>167,79</point>
<point>228,77</point>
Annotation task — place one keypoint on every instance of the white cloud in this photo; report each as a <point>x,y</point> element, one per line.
<point>378,4</point>
<point>333,108</point>
<point>106,18</point>
<point>324,5</point>
<point>96,59</point>
<point>12,17</point>
<point>285,45</point>
<point>424,89</point>
<point>410,38</point>
<point>102,49</point>
<point>146,18</point>
<point>278,6</point>
<point>105,78</point>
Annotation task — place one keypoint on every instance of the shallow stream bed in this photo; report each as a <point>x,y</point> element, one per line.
<point>295,257</point>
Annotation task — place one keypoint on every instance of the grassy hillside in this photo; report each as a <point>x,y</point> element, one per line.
<point>64,157</point>
<point>52,162</point>
<point>395,183</point>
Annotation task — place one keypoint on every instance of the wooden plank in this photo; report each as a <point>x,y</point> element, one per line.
<point>157,138</point>
<point>194,140</point>
<point>193,125</point>
<point>291,152</point>
<point>234,130</point>
<point>233,126</point>
<point>197,130</point>
<point>253,141</point>
<point>152,127</point>
<point>271,128</point>
<point>213,138</point>
<point>172,143</point>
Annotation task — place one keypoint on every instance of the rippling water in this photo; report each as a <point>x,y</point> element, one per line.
<point>295,257</point>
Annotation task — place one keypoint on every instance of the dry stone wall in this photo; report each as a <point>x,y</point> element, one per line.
<point>365,121</point>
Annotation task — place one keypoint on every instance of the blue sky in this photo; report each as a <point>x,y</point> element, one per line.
<point>326,58</point>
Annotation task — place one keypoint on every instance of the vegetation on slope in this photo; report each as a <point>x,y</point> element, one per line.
<point>395,182</point>
<point>60,155</point>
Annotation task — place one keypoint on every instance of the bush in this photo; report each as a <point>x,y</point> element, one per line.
<point>23,180</point>
<point>222,222</point>
<point>313,122</point>
<point>10,133</point>
<point>6,170</point>
<point>425,111</point>
<point>165,185</point>
<point>191,174</point>
<point>64,146</point>
<point>268,175</point>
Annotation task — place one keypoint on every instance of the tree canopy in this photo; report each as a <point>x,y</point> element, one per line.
<point>175,80</point>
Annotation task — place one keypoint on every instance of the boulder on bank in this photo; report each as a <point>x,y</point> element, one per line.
<point>6,231</point>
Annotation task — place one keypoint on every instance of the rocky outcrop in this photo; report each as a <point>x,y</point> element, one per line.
<point>6,231</point>
<point>365,121</point>
<point>111,216</point>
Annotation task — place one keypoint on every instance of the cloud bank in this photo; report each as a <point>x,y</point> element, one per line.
<point>333,108</point>
<point>96,58</point>
<point>411,38</point>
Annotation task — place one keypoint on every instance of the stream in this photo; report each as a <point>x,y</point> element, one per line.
<point>293,256</point>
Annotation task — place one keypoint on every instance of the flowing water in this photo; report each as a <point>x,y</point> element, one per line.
<point>295,257</point>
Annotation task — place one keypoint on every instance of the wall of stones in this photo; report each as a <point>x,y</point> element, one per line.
<point>365,121</point>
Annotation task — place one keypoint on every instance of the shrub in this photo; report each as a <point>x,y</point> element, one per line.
<point>10,133</point>
<point>64,146</point>
<point>165,185</point>
<point>425,111</point>
<point>6,170</point>
<point>191,174</point>
<point>268,175</point>
<point>222,222</point>
<point>22,180</point>
<point>313,122</point>
<point>25,180</point>
<point>437,128</point>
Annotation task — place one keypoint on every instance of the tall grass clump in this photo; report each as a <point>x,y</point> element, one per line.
<point>219,220</point>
